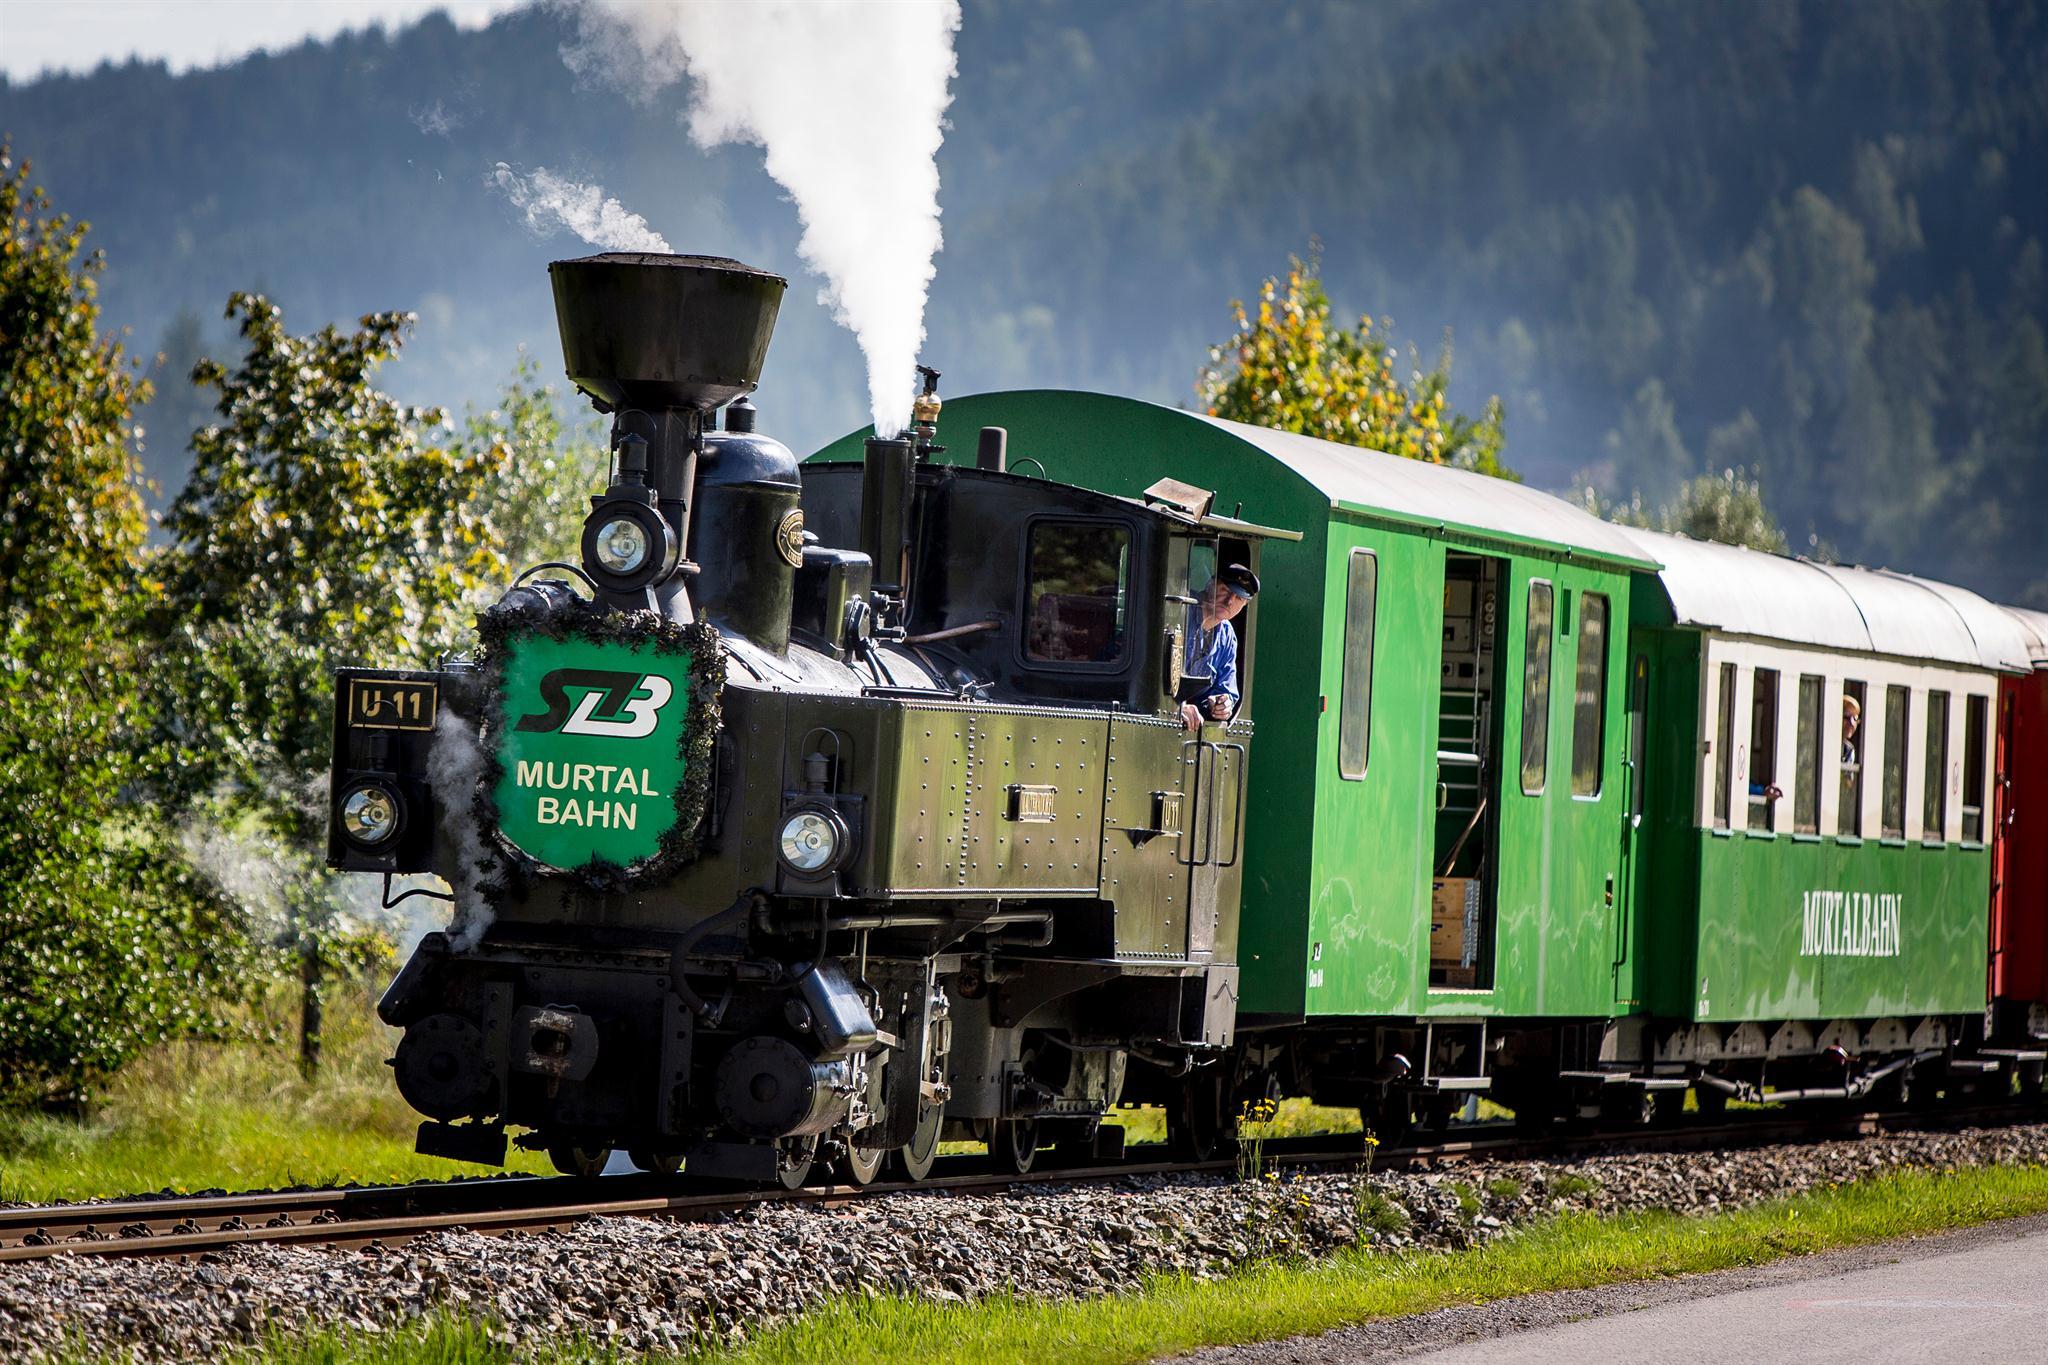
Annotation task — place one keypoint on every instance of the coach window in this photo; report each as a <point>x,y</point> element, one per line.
<point>1849,820</point>
<point>1536,689</point>
<point>1976,716</point>
<point>1934,806</point>
<point>1354,717</point>
<point>1806,755</point>
<point>1589,696</point>
<point>1763,750</point>
<point>1724,746</point>
<point>1892,818</point>
<point>1075,587</point>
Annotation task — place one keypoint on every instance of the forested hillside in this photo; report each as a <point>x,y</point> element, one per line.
<point>1802,238</point>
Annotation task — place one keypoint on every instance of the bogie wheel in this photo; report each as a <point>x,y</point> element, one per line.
<point>655,1162</point>
<point>914,1158</point>
<point>861,1164</point>
<point>1670,1109</point>
<point>584,1162</point>
<point>1196,1126</point>
<point>2027,1080</point>
<point>1628,1107</point>
<point>1712,1103</point>
<point>1535,1113</point>
<point>1015,1146</point>
<point>1390,1119</point>
<point>793,1160</point>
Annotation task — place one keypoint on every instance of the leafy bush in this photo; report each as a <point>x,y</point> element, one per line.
<point>106,944</point>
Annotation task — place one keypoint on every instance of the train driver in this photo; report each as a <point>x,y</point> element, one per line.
<point>1211,646</point>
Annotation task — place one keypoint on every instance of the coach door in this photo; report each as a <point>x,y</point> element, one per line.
<point>1622,891</point>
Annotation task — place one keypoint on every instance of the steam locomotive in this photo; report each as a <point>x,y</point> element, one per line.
<point>824,812</point>
<point>754,866</point>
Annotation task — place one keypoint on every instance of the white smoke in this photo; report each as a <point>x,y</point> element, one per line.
<point>847,101</point>
<point>252,871</point>
<point>454,768</point>
<point>550,201</point>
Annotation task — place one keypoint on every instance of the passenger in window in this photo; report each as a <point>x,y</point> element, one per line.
<point>1211,645</point>
<point>1852,726</point>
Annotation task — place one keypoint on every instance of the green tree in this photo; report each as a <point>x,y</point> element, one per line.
<point>1289,367</point>
<point>547,470</point>
<point>1728,507</point>
<point>106,944</point>
<point>323,524</point>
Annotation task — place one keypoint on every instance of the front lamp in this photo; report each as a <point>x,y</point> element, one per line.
<point>621,545</point>
<point>627,545</point>
<point>811,841</point>
<point>370,815</point>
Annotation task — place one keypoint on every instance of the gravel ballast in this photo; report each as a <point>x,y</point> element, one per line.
<point>649,1285</point>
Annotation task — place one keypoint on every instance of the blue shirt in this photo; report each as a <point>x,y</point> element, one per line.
<point>1213,652</point>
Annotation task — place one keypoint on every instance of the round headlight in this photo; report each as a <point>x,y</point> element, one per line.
<point>369,815</point>
<point>622,545</point>
<point>809,841</point>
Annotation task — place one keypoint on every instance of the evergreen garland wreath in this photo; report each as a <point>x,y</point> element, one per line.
<point>581,619</point>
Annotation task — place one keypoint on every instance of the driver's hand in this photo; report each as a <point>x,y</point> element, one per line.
<point>1219,707</point>
<point>1189,716</point>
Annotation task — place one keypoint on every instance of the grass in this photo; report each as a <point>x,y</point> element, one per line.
<point>235,1115</point>
<point>1179,1314</point>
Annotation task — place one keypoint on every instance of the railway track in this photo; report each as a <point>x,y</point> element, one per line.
<point>196,1225</point>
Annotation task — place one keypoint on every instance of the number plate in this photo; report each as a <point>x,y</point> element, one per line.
<point>391,704</point>
<point>1032,805</point>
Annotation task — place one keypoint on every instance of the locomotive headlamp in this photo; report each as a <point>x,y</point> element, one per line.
<point>811,841</point>
<point>370,814</point>
<point>622,545</point>
<point>626,543</point>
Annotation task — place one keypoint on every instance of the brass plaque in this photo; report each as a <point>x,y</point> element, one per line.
<point>391,704</point>
<point>1166,812</point>
<point>1031,804</point>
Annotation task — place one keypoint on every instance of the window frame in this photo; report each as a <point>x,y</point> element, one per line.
<point>1898,701</point>
<point>1934,780</point>
<point>1849,807</point>
<point>1598,711</point>
<point>1768,750</point>
<point>1808,722</point>
<point>1977,734</point>
<point>1542,730</point>
<point>1353,708</point>
<point>1721,811</point>
<point>1126,655</point>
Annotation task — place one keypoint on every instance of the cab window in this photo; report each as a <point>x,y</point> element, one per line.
<point>1076,585</point>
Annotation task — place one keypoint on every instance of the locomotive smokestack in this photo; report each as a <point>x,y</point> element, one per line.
<point>660,342</point>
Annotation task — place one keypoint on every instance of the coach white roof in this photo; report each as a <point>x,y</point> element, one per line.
<point>1773,597</point>
<point>2033,625</point>
<point>2001,641</point>
<point>1417,491</point>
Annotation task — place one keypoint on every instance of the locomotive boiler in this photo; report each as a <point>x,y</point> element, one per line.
<point>815,814</point>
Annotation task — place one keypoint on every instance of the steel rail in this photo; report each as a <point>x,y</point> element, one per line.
<point>186,1226</point>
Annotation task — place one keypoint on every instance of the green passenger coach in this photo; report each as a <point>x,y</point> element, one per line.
<point>1814,869</point>
<point>1434,829</point>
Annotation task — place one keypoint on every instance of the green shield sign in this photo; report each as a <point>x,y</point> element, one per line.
<point>590,747</point>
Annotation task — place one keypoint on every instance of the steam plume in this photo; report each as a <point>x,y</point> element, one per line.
<point>455,766</point>
<point>847,101</point>
<point>549,200</point>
